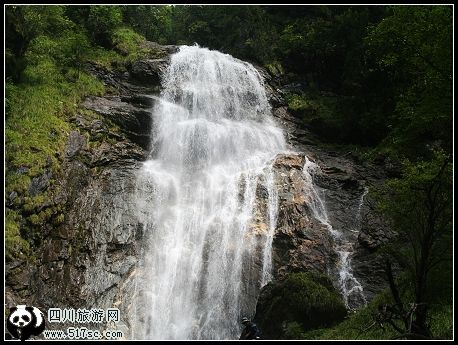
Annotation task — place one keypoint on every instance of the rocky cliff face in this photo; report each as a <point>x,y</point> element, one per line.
<point>90,259</point>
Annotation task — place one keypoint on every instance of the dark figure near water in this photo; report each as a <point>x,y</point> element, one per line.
<point>251,331</point>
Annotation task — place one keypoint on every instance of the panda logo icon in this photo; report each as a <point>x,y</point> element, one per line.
<point>25,321</point>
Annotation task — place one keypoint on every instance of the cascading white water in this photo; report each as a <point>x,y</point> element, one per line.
<point>213,141</point>
<point>350,288</point>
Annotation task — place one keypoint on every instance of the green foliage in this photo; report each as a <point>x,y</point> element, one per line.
<point>129,44</point>
<point>105,58</point>
<point>304,299</point>
<point>36,131</point>
<point>275,68</point>
<point>15,245</point>
<point>244,31</point>
<point>364,324</point>
<point>153,22</point>
<point>370,75</point>
<point>36,128</point>
<point>388,68</point>
<point>441,321</point>
<point>59,219</point>
<point>297,103</point>
<point>420,207</point>
<point>126,40</point>
<point>39,102</point>
<point>102,21</point>
<point>358,325</point>
<point>67,49</point>
<point>23,24</point>
<point>323,114</point>
<point>413,47</point>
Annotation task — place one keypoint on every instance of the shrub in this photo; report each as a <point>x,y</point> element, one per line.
<point>126,40</point>
<point>307,300</point>
<point>102,21</point>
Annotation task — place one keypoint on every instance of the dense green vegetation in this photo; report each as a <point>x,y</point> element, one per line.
<point>45,81</point>
<point>303,301</point>
<point>420,206</point>
<point>378,78</point>
<point>373,322</point>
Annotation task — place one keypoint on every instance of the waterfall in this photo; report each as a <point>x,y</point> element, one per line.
<point>350,288</point>
<point>214,141</point>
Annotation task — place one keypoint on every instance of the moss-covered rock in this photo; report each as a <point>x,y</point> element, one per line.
<point>302,300</point>
<point>301,106</point>
<point>275,68</point>
<point>15,246</point>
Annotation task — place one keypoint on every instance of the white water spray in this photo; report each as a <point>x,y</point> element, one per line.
<point>350,288</point>
<point>213,142</point>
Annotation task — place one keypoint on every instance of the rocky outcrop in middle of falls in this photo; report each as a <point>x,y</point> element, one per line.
<point>301,242</point>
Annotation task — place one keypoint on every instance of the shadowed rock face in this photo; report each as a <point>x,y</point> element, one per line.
<point>86,260</point>
<point>90,259</point>
<point>134,120</point>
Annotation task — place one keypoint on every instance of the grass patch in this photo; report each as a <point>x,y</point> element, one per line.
<point>37,123</point>
<point>129,43</point>
<point>128,46</point>
<point>105,58</point>
<point>38,110</point>
<point>441,321</point>
<point>15,245</point>
<point>310,106</point>
<point>298,103</point>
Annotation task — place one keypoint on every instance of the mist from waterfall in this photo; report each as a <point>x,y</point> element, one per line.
<point>213,143</point>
